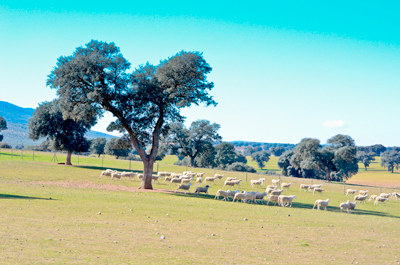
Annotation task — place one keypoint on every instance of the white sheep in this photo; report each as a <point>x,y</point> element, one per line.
<point>286,200</point>
<point>348,206</point>
<point>155,178</point>
<point>395,195</point>
<point>251,196</point>
<point>311,187</point>
<point>175,180</point>
<point>304,187</point>
<point>363,192</point>
<point>164,174</point>
<point>361,198</point>
<point>240,196</point>
<point>116,175</point>
<point>200,175</point>
<point>321,203</point>
<point>231,178</point>
<point>286,185</point>
<point>350,192</point>
<point>380,199</point>
<point>186,180</point>
<point>231,193</point>
<point>184,187</point>
<point>224,194</point>
<point>218,176</point>
<point>318,190</point>
<point>210,179</point>
<point>385,195</point>
<point>202,189</point>
<point>167,178</point>
<point>260,196</point>
<point>140,176</point>
<point>199,179</point>
<point>373,197</point>
<point>257,182</point>
<point>276,182</point>
<point>276,192</point>
<point>273,198</point>
<point>130,175</point>
<point>107,172</point>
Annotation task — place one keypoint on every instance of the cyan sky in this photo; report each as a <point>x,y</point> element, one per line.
<point>282,71</point>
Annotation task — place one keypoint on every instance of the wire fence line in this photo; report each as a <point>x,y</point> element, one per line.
<point>102,162</point>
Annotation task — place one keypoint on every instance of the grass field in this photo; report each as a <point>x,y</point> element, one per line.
<point>68,229</point>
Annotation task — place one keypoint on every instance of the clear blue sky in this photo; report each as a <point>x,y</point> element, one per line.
<point>283,70</point>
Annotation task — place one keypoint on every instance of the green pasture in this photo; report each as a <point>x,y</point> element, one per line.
<point>92,220</point>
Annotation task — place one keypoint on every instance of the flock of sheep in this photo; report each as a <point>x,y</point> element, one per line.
<point>272,192</point>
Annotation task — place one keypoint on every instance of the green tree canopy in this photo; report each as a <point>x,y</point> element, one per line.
<point>117,147</point>
<point>3,126</point>
<point>97,145</point>
<point>261,157</point>
<point>390,160</point>
<point>143,102</point>
<point>365,158</point>
<point>65,134</point>
<point>192,142</point>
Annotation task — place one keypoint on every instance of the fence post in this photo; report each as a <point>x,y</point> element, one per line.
<point>22,154</point>
<point>158,164</point>
<point>344,187</point>
<point>130,164</point>
<point>78,159</point>
<point>33,155</point>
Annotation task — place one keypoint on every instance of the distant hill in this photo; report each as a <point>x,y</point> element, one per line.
<point>17,123</point>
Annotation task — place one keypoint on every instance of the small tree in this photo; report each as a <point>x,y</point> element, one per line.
<point>65,134</point>
<point>97,145</point>
<point>226,155</point>
<point>143,102</point>
<point>391,160</point>
<point>117,147</point>
<point>261,157</point>
<point>277,151</point>
<point>365,158</point>
<point>3,126</point>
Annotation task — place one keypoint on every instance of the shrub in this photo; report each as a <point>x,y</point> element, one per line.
<point>238,166</point>
<point>5,145</point>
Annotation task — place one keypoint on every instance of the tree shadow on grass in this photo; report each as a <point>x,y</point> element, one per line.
<point>8,154</point>
<point>299,205</point>
<point>113,168</point>
<point>12,196</point>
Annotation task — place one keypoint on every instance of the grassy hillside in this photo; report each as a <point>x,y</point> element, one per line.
<point>92,220</point>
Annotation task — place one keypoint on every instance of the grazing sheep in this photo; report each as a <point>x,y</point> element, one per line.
<point>251,196</point>
<point>231,193</point>
<point>260,196</point>
<point>257,182</point>
<point>321,203</point>
<point>164,174</point>
<point>140,176</point>
<point>184,187</point>
<point>350,192</point>
<point>116,175</point>
<point>276,192</point>
<point>373,197</point>
<point>199,179</point>
<point>311,187</point>
<point>175,180</point>
<point>363,192</point>
<point>385,195</point>
<point>348,206</point>
<point>286,185</point>
<point>395,195</point>
<point>286,200</point>
<point>210,179</point>
<point>176,175</point>
<point>167,178</point>
<point>218,176</point>
<point>304,187</point>
<point>224,194</point>
<point>269,190</point>
<point>186,180</point>
<point>240,196</point>
<point>229,183</point>
<point>273,198</point>
<point>200,175</point>
<point>361,198</point>
<point>318,190</point>
<point>107,172</point>
<point>276,182</point>
<point>130,175</point>
<point>231,178</point>
<point>202,189</point>
<point>155,178</point>
<point>380,199</point>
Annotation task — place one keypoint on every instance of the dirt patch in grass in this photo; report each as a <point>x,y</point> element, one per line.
<point>89,185</point>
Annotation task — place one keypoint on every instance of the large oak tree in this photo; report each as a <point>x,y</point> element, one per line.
<point>143,102</point>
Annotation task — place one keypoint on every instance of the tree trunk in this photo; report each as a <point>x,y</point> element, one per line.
<point>68,160</point>
<point>192,162</point>
<point>147,175</point>
<point>328,176</point>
